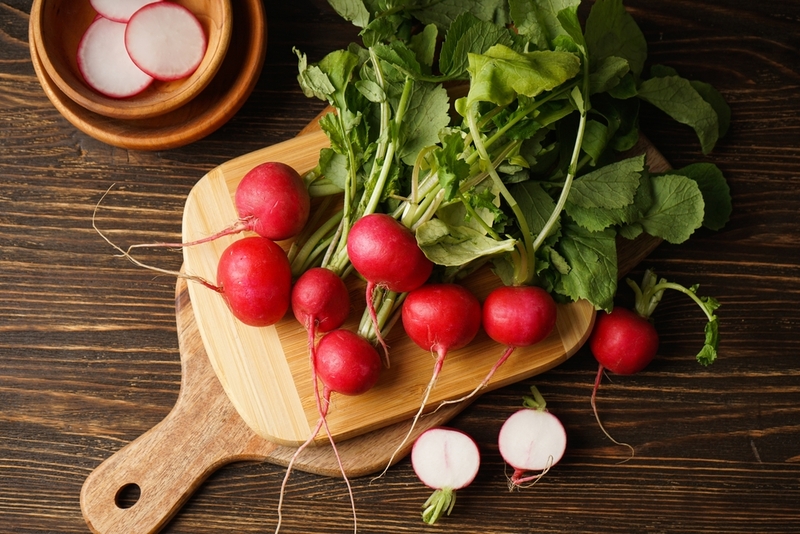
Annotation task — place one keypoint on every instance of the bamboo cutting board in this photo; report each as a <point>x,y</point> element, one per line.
<point>264,371</point>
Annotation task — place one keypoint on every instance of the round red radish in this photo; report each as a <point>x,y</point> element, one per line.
<point>347,363</point>
<point>519,316</point>
<point>623,341</point>
<point>104,63</point>
<point>255,279</point>
<point>386,253</point>
<point>119,10</point>
<point>441,317</point>
<point>320,300</point>
<point>531,440</point>
<point>274,200</point>
<point>165,40</point>
<point>446,460</point>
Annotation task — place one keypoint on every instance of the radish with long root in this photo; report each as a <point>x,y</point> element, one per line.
<point>445,460</point>
<point>515,316</point>
<point>625,342</point>
<point>271,200</point>
<point>531,439</point>
<point>438,318</point>
<point>347,364</point>
<point>386,254</point>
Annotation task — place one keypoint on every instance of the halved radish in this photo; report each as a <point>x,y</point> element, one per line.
<point>446,460</point>
<point>119,10</point>
<point>165,40</point>
<point>105,64</point>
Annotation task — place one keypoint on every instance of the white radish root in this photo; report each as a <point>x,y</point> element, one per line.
<point>119,10</point>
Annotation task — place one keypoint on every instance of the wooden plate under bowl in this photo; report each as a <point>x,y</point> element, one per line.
<point>210,109</point>
<point>57,27</point>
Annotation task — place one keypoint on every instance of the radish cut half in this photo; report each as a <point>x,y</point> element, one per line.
<point>165,40</point>
<point>532,440</point>
<point>104,63</point>
<point>119,10</point>
<point>445,460</point>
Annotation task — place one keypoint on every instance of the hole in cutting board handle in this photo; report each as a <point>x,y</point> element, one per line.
<point>127,496</point>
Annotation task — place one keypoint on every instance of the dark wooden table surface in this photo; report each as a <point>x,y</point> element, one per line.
<point>89,354</point>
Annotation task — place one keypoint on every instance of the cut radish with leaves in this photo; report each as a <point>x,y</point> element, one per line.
<point>165,40</point>
<point>104,63</point>
<point>446,460</point>
<point>531,439</point>
<point>119,10</point>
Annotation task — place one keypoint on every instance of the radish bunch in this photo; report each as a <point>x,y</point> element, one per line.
<point>625,341</point>
<point>131,43</point>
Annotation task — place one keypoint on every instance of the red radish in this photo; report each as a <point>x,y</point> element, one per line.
<point>119,10</point>
<point>104,63</point>
<point>515,316</point>
<point>625,342</point>
<point>271,200</point>
<point>320,300</point>
<point>531,439</point>
<point>439,318</point>
<point>348,364</point>
<point>254,277</point>
<point>165,40</point>
<point>386,254</point>
<point>445,460</point>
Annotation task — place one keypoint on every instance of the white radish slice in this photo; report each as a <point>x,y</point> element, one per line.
<point>532,440</point>
<point>446,460</point>
<point>165,40</point>
<point>104,63</point>
<point>119,10</point>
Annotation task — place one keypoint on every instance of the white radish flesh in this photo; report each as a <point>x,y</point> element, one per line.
<point>119,10</point>
<point>165,40</point>
<point>446,460</point>
<point>531,440</point>
<point>105,64</point>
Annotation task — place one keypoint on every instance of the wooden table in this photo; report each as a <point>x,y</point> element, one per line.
<point>88,346</point>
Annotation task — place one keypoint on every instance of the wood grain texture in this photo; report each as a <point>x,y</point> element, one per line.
<point>90,357</point>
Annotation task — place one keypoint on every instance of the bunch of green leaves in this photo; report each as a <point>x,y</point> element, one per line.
<point>529,175</point>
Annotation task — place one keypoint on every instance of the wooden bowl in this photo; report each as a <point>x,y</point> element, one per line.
<point>58,25</point>
<point>212,108</point>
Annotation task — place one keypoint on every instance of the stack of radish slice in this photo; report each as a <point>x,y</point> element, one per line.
<point>133,42</point>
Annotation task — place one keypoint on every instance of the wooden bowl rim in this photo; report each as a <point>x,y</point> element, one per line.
<point>158,99</point>
<point>186,124</point>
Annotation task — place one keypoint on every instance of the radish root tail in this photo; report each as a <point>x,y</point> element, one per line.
<point>597,381</point>
<point>483,383</point>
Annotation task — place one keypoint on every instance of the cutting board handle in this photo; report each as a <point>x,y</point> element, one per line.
<point>165,465</point>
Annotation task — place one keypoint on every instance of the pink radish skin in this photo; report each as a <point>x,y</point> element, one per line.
<point>445,460</point>
<point>271,200</point>
<point>274,201</point>
<point>439,318</point>
<point>386,254</point>
<point>531,440</point>
<point>320,300</point>
<point>623,342</point>
<point>254,277</point>
<point>515,316</point>
<point>345,363</point>
<point>119,10</point>
<point>165,40</point>
<point>104,63</point>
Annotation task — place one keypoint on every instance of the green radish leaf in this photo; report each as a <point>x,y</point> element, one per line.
<point>677,209</point>
<point>715,190</point>
<point>592,257</point>
<point>457,245</point>
<point>612,32</point>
